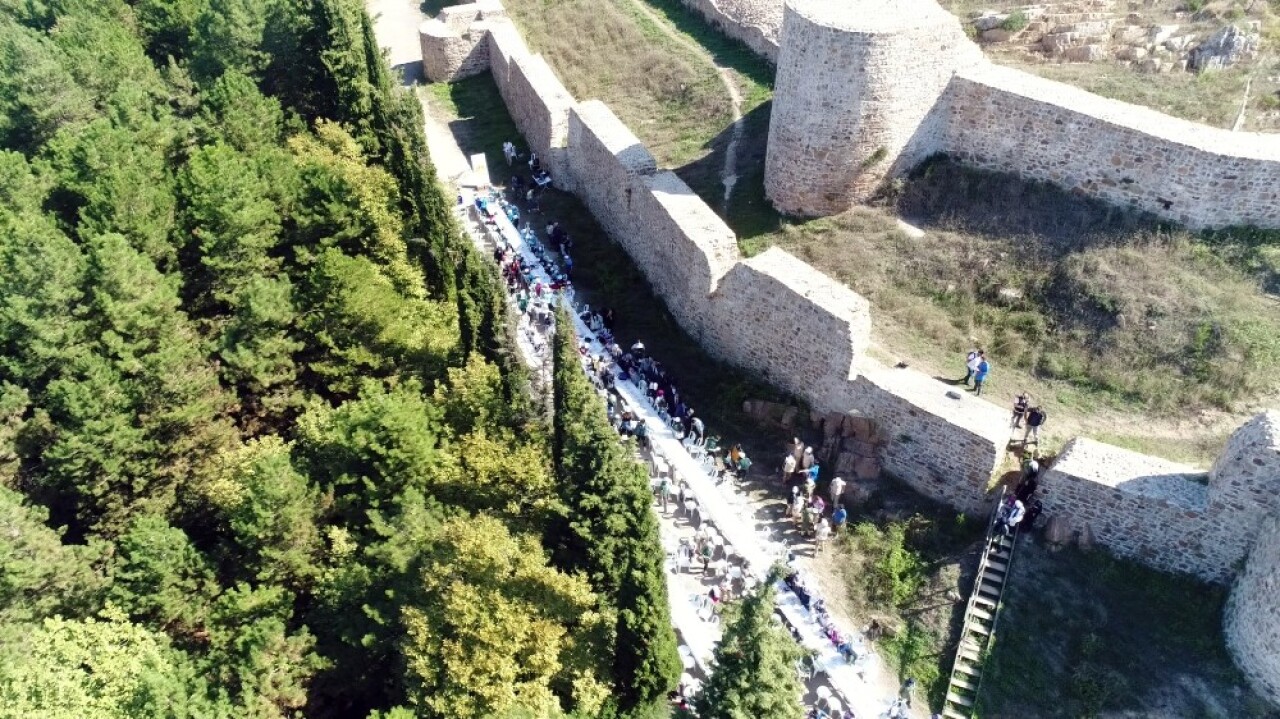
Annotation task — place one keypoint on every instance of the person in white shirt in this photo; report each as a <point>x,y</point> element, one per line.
<point>821,534</point>
<point>837,490</point>
<point>509,152</point>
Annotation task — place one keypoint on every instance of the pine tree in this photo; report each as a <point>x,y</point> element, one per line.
<point>755,676</point>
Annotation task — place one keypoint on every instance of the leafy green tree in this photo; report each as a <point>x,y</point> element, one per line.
<point>161,579</point>
<point>230,217</point>
<point>38,95</point>
<point>139,415</point>
<point>41,292</point>
<point>610,532</point>
<point>755,675</point>
<point>361,325</point>
<point>255,655</point>
<point>228,36</point>
<point>272,511</point>
<point>14,403</point>
<point>368,450</point>
<point>105,669</point>
<point>257,346</point>
<point>102,53</point>
<point>167,26</point>
<point>347,203</point>
<point>39,575</point>
<point>489,625</point>
<point>236,112</point>
<point>116,179</point>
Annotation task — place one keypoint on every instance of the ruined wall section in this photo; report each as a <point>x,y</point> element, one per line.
<point>1252,620</point>
<point>943,442</point>
<point>1198,176</point>
<point>454,43</point>
<point>755,23</point>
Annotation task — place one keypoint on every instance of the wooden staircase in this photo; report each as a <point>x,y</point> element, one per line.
<point>979,622</point>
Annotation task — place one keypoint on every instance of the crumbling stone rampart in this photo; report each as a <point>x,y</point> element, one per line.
<point>755,23</point>
<point>1198,176</point>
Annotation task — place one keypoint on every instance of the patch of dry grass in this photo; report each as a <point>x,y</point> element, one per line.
<point>1076,306</point>
<point>607,50</point>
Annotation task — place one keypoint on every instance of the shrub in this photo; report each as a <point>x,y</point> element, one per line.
<point>1015,22</point>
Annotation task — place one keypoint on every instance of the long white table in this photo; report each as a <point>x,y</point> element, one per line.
<point>852,683</point>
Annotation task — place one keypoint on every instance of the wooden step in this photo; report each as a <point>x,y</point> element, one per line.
<point>964,684</point>
<point>950,713</point>
<point>979,630</point>
<point>985,600</point>
<point>957,699</point>
<point>990,589</point>
<point>998,553</point>
<point>997,565</point>
<point>981,614</point>
<point>972,670</point>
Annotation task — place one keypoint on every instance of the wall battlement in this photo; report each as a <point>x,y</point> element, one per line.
<point>781,319</point>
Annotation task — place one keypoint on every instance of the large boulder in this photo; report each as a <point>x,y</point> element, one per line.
<point>1224,48</point>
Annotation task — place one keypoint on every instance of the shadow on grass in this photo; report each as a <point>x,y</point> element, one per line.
<point>726,51</point>
<point>603,273</point>
<point>1083,634</point>
<point>430,8</point>
<point>943,194</point>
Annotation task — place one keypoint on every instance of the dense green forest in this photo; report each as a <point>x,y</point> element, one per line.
<point>263,451</point>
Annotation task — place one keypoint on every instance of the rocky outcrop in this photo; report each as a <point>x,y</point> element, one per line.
<point>1224,48</point>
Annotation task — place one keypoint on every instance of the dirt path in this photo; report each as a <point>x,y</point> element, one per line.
<point>729,170</point>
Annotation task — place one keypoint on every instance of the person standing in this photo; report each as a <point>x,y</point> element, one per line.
<point>971,365</point>
<point>788,468</point>
<point>820,535</point>
<point>1035,420</point>
<point>837,490</point>
<point>1020,405</point>
<point>509,152</point>
<point>838,518</point>
<point>981,376</point>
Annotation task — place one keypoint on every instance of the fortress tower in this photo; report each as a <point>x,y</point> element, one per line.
<point>1250,469</point>
<point>857,97</point>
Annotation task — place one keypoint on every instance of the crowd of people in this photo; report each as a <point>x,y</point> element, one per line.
<point>537,286</point>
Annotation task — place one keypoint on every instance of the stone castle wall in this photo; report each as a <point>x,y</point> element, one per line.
<point>772,315</point>
<point>844,91</point>
<point>1130,156</point>
<point>781,319</point>
<point>835,136</point>
<point>1252,620</point>
<point>755,23</point>
<point>786,322</point>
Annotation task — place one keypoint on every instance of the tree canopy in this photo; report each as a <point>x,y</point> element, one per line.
<point>264,451</point>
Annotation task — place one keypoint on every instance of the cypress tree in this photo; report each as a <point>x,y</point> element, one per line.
<point>610,531</point>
